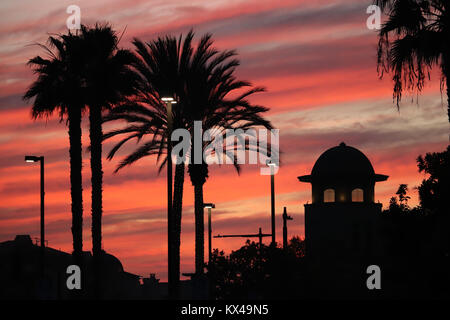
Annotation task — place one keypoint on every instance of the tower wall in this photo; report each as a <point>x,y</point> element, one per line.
<point>336,229</point>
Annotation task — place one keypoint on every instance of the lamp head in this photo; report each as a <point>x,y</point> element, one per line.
<point>209,205</point>
<point>169,99</point>
<point>167,95</point>
<point>32,159</point>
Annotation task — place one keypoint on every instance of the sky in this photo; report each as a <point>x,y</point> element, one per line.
<point>317,60</point>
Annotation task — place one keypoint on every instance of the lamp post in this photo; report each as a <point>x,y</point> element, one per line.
<point>272,198</point>
<point>170,241</point>
<point>209,206</point>
<point>41,160</point>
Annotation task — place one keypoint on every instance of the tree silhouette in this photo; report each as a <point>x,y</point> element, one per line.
<point>147,120</point>
<point>209,83</point>
<point>59,87</point>
<point>108,78</point>
<point>402,193</point>
<point>430,251</point>
<point>434,190</point>
<point>254,272</point>
<point>161,64</point>
<point>200,78</point>
<point>413,40</point>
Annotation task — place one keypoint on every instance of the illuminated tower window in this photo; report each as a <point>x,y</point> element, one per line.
<point>358,195</point>
<point>328,195</point>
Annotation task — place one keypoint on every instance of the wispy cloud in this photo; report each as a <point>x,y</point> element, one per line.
<point>317,60</point>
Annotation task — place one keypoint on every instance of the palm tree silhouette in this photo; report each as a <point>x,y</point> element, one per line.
<point>209,84</point>
<point>161,64</point>
<point>59,87</point>
<point>201,78</point>
<point>147,117</point>
<point>108,79</point>
<point>87,70</point>
<point>421,31</point>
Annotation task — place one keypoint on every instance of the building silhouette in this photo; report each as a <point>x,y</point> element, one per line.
<point>21,275</point>
<point>343,222</point>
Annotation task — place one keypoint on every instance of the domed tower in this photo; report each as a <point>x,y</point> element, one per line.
<point>343,217</point>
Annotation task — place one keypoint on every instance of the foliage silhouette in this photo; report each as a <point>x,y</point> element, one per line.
<point>418,242</point>
<point>254,272</point>
<point>413,40</point>
<point>434,190</point>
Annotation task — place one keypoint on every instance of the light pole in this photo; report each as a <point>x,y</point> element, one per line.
<point>41,160</point>
<point>272,198</point>
<point>209,206</point>
<point>170,241</point>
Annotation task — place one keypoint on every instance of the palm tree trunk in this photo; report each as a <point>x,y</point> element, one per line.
<point>199,229</point>
<point>76,186</point>
<point>448,94</point>
<point>198,174</point>
<point>177,214</point>
<point>95,134</point>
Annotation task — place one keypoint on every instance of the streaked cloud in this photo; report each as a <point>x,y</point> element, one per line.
<point>317,60</point>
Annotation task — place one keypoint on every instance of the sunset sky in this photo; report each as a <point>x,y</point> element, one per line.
<point>317,60</point>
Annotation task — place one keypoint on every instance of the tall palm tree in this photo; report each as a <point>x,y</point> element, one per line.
<point>108,77</point>
<point>59,87</point>
<point>414,39</point>
<point>147,120</point>
<point>200,78</point>
<point>161,65</point>
<point>209,84</point>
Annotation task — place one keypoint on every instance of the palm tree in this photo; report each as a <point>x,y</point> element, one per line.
<point>414,39</point>
<point>161,65</point>
<point>59,88</point>
<point>209,84</point>
<point>201,79</point>
<point>109,78</point>
<point>147,117</point>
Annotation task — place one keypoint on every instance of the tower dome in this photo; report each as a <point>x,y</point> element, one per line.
<point>342,174</point>
<point>342,161</point>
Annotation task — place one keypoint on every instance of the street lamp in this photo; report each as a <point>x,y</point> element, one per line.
<point>170,241</point>
<point>209,206</point>
<point>272,197</point>
<point>41,160</point>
